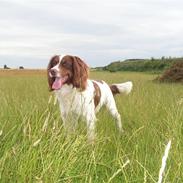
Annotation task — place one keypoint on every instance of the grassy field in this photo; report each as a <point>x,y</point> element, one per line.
<point>33,146</point>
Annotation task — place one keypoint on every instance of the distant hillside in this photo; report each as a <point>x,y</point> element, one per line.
<point>141,65</point>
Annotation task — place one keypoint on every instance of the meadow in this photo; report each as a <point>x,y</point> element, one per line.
<point>35,149</point>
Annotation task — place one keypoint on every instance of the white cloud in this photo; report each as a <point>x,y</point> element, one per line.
<point>98,31</point>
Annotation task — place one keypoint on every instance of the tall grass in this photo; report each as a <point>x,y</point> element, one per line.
<point>34,147</point>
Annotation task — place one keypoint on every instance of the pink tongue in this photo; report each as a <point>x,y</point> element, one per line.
<point>57,83</point>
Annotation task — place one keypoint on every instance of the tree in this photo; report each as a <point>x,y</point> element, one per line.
<point>6,67</point>
<point>152,59</point>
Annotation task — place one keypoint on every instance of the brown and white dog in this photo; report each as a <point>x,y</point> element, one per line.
<point>79,96</point>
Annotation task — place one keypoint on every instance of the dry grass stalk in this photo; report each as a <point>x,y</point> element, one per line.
<point>163,165</point>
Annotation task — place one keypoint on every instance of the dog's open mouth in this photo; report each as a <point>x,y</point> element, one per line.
<point>58,83</point>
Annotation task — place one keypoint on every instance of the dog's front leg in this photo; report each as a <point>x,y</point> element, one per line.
<point>91,119</point>
<point>91,131</point>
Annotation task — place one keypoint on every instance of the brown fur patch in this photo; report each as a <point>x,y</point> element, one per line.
<point>97,94</point>
<point>114,89</point>
<point>53,61</point>
<point>80,73</point>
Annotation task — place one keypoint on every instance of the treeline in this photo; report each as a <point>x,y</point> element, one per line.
<point>142,65</point>
<point>6,67</point>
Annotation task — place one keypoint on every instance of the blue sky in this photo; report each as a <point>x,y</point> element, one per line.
<point>98,31</point>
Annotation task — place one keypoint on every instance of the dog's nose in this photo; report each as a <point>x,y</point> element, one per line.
<point>53,72</point>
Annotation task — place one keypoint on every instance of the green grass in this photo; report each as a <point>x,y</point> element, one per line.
<point>152,115</point>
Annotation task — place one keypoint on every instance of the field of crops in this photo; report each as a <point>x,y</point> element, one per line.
<point>34,148</point>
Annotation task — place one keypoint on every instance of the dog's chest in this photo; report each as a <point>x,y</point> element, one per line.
<point>70,98</point>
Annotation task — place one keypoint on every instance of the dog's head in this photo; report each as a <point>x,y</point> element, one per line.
<point>67,70</point>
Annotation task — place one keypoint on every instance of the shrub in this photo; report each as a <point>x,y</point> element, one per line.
<point>173,74</point>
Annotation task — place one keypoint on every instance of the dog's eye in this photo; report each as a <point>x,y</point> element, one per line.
<point>54,62</point>
<point>66,64</point>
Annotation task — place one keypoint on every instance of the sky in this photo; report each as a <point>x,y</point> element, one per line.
<point>98,31</point>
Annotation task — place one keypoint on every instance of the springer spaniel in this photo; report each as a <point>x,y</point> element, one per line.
<point>79,96</point>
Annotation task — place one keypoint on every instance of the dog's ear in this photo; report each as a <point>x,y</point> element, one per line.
<point>53,61</point>
<point>80,73</point>
<point>50,79</point>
